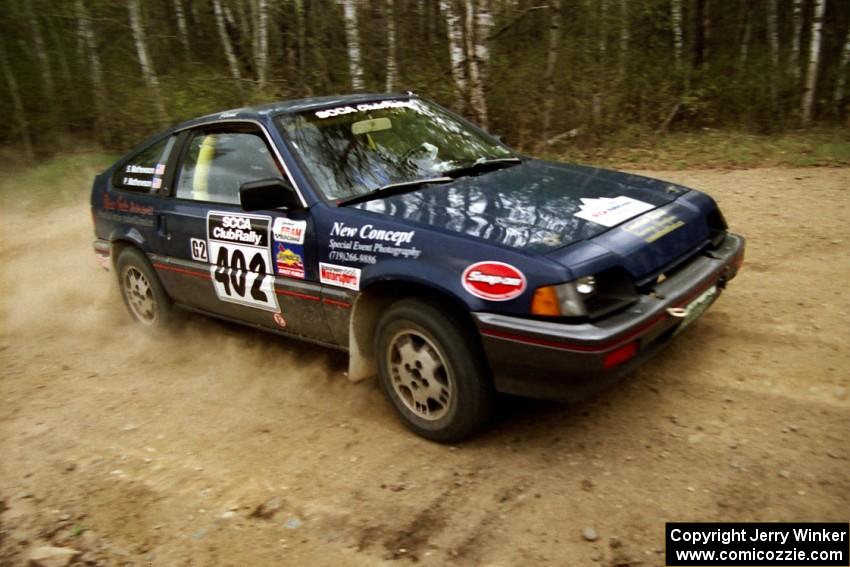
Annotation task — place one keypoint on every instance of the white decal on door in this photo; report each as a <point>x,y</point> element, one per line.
<point>241,268</point>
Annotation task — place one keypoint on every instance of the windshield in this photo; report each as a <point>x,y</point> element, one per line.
<point>355,149</point>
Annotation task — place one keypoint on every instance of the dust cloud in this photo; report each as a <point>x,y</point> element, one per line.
<point>56,292</point>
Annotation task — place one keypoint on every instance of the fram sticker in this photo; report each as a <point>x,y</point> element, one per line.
<point>341,276</point>
<point>611,212</point>
<point>286,230</point>
<point>494,281</point>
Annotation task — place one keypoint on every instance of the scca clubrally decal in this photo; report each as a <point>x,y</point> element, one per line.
<point>240,259</point>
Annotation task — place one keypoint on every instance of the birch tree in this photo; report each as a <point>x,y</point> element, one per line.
<point>814,62</point>
<point>456,56</point>
<point>299,40</point>
<point>796,33</point>
<point>61,57</point>
<point>17,104</point>
<point>223,36</point>
<point>678,32</point>
<point>601,53</point>
<point>552,53</point>
<point>261,56</point>
<point>745,39</point>
<point>182,28</point>
<point>483,29</point>
<point>41,55</point>
<point>479,21</point>
<point>702,39</point>
<point>841,80</point>
<point>392,65</point>
<point>352,44</point>
<point>88,46</point>
<point>624,39</point>
<point>148,72</point>
<point>773,40</point>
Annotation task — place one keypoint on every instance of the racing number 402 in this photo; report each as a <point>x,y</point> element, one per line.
<point>232,275</point>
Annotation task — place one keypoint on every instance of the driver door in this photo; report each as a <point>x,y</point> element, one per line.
<point>249,267</point>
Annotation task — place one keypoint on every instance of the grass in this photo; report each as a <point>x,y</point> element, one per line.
<point>716,149</point>
<point>69,176</point>
<point>60,179</point>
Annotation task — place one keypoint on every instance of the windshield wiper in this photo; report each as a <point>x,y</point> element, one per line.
<point>392,189</point>
<point>482,164</point>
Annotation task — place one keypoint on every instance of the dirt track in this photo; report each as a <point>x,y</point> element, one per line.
<point>161,449</point>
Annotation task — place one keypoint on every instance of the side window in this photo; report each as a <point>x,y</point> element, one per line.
<point>218,163</point>
<point>144,171</point>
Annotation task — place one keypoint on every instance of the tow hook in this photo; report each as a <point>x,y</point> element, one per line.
<point>678,312</point>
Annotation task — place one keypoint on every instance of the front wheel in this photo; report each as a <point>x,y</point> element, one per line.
<point>433,371</point>
<point>146,300</point>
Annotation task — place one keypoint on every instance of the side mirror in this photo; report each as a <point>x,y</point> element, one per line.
<point>268,194</point>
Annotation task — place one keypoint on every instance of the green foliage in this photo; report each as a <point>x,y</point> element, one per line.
<point>709,148</point>
<point>615,72</point>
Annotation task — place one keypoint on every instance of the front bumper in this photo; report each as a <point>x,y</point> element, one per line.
<point>542,359</point>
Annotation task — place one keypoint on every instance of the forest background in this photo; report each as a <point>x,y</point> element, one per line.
<point>628,80</point>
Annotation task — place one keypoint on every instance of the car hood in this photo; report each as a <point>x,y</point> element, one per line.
<point>531,206</point>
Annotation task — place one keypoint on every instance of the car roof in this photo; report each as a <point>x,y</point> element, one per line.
<point>263,111</point>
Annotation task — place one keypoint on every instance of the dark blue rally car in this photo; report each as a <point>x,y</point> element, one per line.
<point>437,257</point>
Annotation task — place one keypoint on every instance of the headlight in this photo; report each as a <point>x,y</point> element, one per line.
<point>564,300</point>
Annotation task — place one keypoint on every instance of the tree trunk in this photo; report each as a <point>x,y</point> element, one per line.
<point>745,39</point>
<point>262,51</point>
<point>299,40</point>
<point>773,40</point>
<point>702,30</point>
<point>624,39</point>
<point>17,104</point>
<point>41,54</point>
<point>601,54</point>
<point>678,32</point>
<point>89,47</point>
<point>841,80</point>
<point>814,62</point>
<point>182,28</point>
<point>479,20</point>
<point>318,66</point>
<point>148,72</point>
<point>797,32</point>
<point>551,63</point>
<point>232,63</point>
<point>352,43</point>
<point>392,66</point>
<point>456,57</point>
<point>477,102</point>
<point>62,59</point>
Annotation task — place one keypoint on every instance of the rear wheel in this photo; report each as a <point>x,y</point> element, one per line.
<point>433,371</point>
<point>143,295</point>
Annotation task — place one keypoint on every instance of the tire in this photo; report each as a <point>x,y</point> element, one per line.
<point>141,290</point>
<point>433,371</point>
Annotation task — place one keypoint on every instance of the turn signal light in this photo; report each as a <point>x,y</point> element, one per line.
<point>545,302</point>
